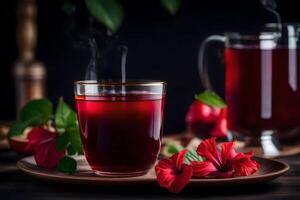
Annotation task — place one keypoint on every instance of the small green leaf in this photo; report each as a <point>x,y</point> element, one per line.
<point>66,123</point>
<point>63,142</point>
<point>192,155</point>
<point>64,117</point>
<point>17,128</point>
<point>36,112</point>
<point>211,98</point>
<point>173,148</point>
<point>67,165</point>
<point>171,5</point>
<point>108,12</point>
<point>71,150</point>
<point>75,140</point>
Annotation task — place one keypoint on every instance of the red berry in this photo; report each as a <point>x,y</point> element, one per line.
<point>220,129</point>
<point>200,112</point>
<point>201,118</point>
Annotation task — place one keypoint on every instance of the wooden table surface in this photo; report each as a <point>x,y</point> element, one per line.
<point>14,184</point>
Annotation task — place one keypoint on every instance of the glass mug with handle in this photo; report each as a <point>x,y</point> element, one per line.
<point>261,84</point>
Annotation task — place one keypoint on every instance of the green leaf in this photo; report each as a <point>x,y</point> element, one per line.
<point>66,123</point>
<point>67,165</point>
<point>64,117</point>
<point>192,155</point>
<point>108,12</point>
<point>75,141</point>
<point>71,150</point>
<point>63,142</point>
<point>36,112</point>
<point>211,98</point>
<point>17,128</point>
<point>173,148</point>
<point>171,5</point>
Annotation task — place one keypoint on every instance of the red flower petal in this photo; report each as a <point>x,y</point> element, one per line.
<point>46,155</point>
<point>178,158</point>
<point>37,135</point>
<point>202,169</point>
<point>165,172</point>
<point>172,173</point>
<point>182,179</point>
<point>227,152</point>
<point>243,165</point>
<point>208,149</point>
<point>44,144</point>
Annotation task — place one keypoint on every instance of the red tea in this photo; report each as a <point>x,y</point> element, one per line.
<point>262,89</point>
<point>121,133</point>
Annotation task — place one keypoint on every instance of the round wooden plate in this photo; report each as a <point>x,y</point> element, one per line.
<point>270,169</point>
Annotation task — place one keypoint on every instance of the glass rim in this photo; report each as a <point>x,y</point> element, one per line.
<point>120,83</point>
<point>285,24</point>
<point>251,37</point>
<point>264,35</point>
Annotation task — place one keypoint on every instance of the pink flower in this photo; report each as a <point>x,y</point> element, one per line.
<point>224,163</point>
<point>39,134</point>
<point>43,142</point>
<point>172,173</point>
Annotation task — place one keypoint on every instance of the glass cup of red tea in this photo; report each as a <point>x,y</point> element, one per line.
<point>120,125</point>
<point>262,88</point>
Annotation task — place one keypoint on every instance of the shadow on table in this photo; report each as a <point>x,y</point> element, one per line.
<point>20,186</point>
<point>144,191</point>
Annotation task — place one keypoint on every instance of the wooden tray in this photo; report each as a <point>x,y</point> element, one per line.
<point>270,169</point>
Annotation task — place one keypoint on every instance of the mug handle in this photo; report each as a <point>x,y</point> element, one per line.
<point>202,67</point>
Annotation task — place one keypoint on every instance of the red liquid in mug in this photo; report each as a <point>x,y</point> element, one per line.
<point>262,89</point>
<point>121,134</point>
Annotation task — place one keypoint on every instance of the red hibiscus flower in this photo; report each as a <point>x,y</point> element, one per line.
<point>224,163</point>
<point>172,173</point>
<point>43,142</point>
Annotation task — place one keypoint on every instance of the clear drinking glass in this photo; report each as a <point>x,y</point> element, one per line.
<point>262,87</point>
<point>120,125</point>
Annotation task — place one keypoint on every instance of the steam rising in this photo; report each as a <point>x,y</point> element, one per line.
<point>91,70</point>
<point>271,6</point>
<point>103,60</point>
<point>124,52</point>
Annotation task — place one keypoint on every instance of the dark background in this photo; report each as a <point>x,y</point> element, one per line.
<point>160,46</point>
